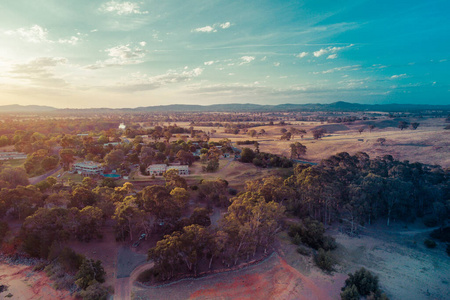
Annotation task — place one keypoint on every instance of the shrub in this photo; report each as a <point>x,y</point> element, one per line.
<point>95,291</point>
<point>4,228</point>
<point>362,283</point>
<point>350,293</point>
<point>448,249</point>
<point>430,243</point>
<point>430,221</point>
<point>442,234</point>
<point>324,260</point>
<point>303,251</point>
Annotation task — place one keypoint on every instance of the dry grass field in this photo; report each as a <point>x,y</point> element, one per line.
<point>429,144</point>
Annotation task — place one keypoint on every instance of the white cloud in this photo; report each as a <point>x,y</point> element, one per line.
<point>332,56</point>
<point>302,54</point>
<point>276,64</point>
<point>143,43</point>
<point>344,68</point>
<point>122,8</point>
<point>398,76</point>
<point>205,29</point>
<point>330,49</point>
<point>212,28</point>
<point>37,34</point>
<point>208,63</point>
<point>120,55</point>
<point>247,59</point>
<point>73,40</point>
<point>225,25</point>
<point>264,58</point>
<point>94,30</point>
<point>34,34</point>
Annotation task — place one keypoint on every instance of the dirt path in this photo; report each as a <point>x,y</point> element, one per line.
<point>128,262</point>
<point>271,279</point>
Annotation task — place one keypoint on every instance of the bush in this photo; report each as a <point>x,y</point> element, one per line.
<point>303,251</point>
<point>441,234</point>
<point>311,233</point>
<point>430,243</point>
<point>4,229</point>
<point>148,275</point>
<point>430,221</point>
<point>448,249</point>
<point>362,283</point>
<point>95,291</point>
<point>324,260</point>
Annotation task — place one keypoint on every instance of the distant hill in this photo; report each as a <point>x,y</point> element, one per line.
<point>236,107</point>
<point>25,108</point>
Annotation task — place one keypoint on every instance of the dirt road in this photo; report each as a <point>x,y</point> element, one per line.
<point>127,262</point>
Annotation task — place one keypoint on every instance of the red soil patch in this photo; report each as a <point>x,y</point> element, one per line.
<point>24,283</point>
<point>280,282</point>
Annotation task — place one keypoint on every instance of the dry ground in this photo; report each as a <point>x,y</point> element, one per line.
<point>429,144</point>
<point>25,284</point>
<point>407,270</point>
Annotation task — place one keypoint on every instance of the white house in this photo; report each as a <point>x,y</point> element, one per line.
<point>160,169</point>
<point>88,168</point>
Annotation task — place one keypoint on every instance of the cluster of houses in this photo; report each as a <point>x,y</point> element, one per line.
<point>12,155</point>
<point>90,168</point>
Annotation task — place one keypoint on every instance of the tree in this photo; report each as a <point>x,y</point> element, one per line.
<point>67,157</point>
<point>361,129</point>
<point>252,133</point>
<point>364,283</point>
<point>318,133</point>
<point>115,158</point>
<point>174,180</point>
<point>12,177</point>
<point>402,125</point>
<point>286,136</point>
<point>128,216</point>
<point>297,150</point>
<point>247,155</point>
<point>371,127</point>
<point>381,141</point>
<point>89,273</point>
<point>414,125</point>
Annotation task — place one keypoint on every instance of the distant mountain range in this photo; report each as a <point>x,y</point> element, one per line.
<point>236,107</point>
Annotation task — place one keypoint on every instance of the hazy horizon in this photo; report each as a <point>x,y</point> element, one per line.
<point>90,54</point>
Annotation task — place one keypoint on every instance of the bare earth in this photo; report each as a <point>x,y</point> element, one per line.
<point>25,284</point>
<point>407,270</point>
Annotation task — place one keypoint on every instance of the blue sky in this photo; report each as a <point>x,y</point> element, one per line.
<point>91,53</point>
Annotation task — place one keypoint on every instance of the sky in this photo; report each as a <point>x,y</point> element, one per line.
<point>92,53</point>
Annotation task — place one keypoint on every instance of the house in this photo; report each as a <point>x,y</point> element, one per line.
<point>160,169</point>
<point>122,126</point>
<point>88,168</point>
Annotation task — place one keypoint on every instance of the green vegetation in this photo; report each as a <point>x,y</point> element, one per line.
<point>430,243</point>
<point>362,284</point>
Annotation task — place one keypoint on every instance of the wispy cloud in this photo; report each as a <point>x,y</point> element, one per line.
<point>119,56</point>
<point>246,59</point>
<point>34,34</point>
<point>332,56</point>
<point>208,63</point>
<point>302,54</point>
<point>143,82</point>
<point>122,8</point>
<point>39,71</point>
<point>344,68</point>
<point>397,76</point>
<point>212,28</point>
<point>37,34</point>
<point>327,50</point>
